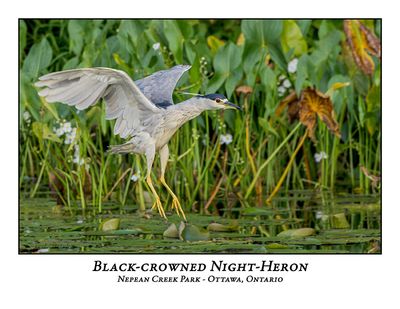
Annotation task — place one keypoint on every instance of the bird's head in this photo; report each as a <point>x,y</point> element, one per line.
<point>217,101</point>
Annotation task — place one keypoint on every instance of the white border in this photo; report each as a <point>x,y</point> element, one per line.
<point>334,281</point>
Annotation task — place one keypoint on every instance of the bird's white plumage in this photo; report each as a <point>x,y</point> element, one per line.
<point>84,87</point>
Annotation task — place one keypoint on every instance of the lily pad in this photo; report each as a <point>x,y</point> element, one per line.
<point>191,232</point>
<point>217,227</point>
<point>110,224</point>
<point>297,233</point>
<point>255,211</point>
<point>275,245</point>
<point>340,221</point>
<point>171,231</point>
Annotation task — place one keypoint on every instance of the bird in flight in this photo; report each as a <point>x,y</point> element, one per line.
<point>144,110</point>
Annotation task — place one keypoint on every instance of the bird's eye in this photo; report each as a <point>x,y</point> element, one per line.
<point>218,100</point>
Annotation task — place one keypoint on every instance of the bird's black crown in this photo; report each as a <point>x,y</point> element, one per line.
<point>213,96</point>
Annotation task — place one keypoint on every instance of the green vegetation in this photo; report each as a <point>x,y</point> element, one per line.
<point>221,159</point>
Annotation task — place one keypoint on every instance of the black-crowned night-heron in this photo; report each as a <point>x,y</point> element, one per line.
<point>144,109</point>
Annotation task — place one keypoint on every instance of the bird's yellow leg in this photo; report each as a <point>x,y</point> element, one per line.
<point>150,152</point>
<point>157,203</point>
<point>175,201</point>
<point>164,154</point>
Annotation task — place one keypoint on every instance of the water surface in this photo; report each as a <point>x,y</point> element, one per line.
<point>299,222</point>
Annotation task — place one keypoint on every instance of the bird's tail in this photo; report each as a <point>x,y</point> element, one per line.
<point>124,148</point>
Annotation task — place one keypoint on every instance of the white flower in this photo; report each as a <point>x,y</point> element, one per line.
<point>281,77</point>
<point>281,90</point>
<point>67,127</point>
<point>58,131</point>
<point>135,178</point>
<point>26,116</point>
<point>156,46</point>
<point>225,139</point>
<point>292,66</point>
<point>70,136</point>
<point>77,158</point>
<point>320,156</point>
<point>287,83</point>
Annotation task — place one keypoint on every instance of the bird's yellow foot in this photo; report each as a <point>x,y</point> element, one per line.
<point>178,208</point>
<point>157,204</point>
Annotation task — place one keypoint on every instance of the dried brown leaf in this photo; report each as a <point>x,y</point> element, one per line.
<point>313,103</point>
<point>288,101</point>
<point>363,43</point>
<point>306,109</point>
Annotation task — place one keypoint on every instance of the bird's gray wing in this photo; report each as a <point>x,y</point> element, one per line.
<point>84,87</point>
<point>158,87</point>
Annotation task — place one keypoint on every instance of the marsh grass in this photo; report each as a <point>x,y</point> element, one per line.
<point>201,170</point>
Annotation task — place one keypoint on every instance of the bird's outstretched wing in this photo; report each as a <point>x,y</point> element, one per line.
<point>158,87</point>
<point>84,87</point>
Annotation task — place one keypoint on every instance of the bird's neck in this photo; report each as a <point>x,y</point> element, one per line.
<point>190,109</point>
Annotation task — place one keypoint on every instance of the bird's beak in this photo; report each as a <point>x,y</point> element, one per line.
<point>233,106</point>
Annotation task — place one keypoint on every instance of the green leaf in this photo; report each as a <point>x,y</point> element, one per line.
<point>214,43</point>
<point>340,221</point>
<point>292,38</point>
<point>265,33</point>
<point>301,73</point>
<point>191,232</point>
<point>232,81</point>
<point>42,130</point>
<point>175,39</point>
<point>71,63</point>
<point>77,34</point>
<point>195,76</point>
<point>218,227</point>
<point>110,224</point>
<point>277,55</point>
<point>325,28</point>
<point>227,68</point>
<point>121,63</point>
<point>361,110</point>
<point>267,127</point>
<point>268,78</point>
<point>263,123</point>
<point>262,32</point>
<point>171,231</point>
<point>253,54</point>
<point>136,231</point>
<point>228,58</point>
<point>215,83</point>
<point>325,48</point>
<point>190,51</point>
<point>130,31</point>
<point>304,25</point>
<point>373,101</point>
<point>38,59</point>
<point>256,211</point>
<point>297,233</point>
<point>336,90</point>
<point>22,39</point>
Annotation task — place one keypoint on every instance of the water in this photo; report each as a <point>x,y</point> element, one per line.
<point>301,222</point>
